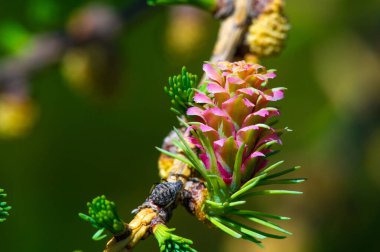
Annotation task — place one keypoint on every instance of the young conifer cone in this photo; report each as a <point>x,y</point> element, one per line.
<point>228,137</point>
<point>232,114</point>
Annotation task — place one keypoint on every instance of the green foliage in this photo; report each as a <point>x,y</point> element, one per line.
<point>103,216</point>
<point>218,190</point>
<point>181,91</point>
<point>209,5</point>
<point>168,242</point>
<point>216,187</point>
<point>222,207</point>
<point>13,37</point>
<point>224,215</point>
<point>224,202</point>
<point>4,208</point>
<point>43,12</point>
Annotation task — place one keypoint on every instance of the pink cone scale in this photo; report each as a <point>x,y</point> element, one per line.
<point>233,113</point>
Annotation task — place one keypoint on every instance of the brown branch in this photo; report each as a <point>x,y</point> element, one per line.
<point>48,50</point>
<point>231,32</point>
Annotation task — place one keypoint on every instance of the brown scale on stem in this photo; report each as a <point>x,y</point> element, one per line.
<point>193,198</point>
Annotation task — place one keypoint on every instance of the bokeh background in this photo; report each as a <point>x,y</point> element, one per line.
<point>96,109</point>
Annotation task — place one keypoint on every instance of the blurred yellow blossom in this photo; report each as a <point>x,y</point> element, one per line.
<point>17,116</point>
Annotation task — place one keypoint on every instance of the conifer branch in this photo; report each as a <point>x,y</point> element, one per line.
<point>206,192</point>
<point>4,207</point>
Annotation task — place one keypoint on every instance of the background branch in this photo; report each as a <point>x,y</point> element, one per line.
<point>94,23</point>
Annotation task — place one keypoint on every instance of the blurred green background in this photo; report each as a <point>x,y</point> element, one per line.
<point>87,142</point>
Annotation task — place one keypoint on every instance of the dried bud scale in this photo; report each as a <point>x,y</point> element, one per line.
<point>193,198</point>
<point>165,164</point>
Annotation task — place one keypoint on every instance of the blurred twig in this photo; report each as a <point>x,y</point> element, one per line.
<point>231,32</point>
<point>94,23</point>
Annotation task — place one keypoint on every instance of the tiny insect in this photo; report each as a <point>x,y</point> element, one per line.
<point>165,194</point>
